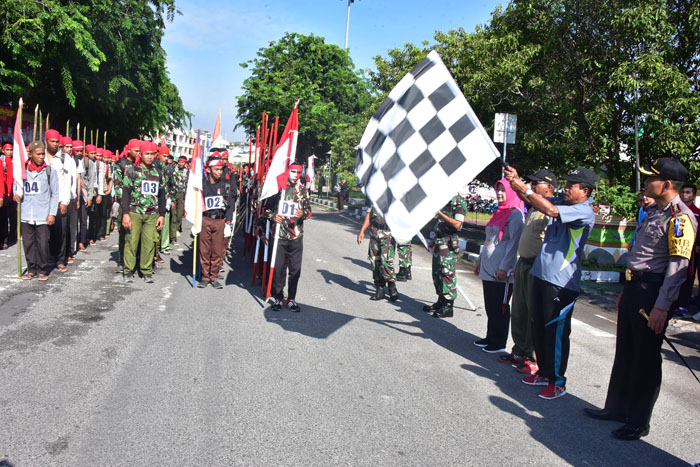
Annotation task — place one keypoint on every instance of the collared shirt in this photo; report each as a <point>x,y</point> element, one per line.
<point>63,177</point>
<point>559,261</point>
<point>663,244</point>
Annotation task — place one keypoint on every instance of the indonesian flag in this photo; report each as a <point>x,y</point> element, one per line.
<point>194,202</point>
<point>310,172</point>
<point>19,163</point>
<point>275,180</point>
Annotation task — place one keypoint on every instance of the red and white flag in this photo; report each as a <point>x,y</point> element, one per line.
<point>194,202</point>
<point>19,166</point>
<point>275,180</point>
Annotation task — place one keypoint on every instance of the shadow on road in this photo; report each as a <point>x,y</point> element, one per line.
<point>312,321</point>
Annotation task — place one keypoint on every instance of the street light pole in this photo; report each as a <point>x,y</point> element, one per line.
<point>347,25</point>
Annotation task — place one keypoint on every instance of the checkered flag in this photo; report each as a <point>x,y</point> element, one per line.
<point>422,145</point>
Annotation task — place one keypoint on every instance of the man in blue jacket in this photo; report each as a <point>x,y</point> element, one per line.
<point>38,195</point>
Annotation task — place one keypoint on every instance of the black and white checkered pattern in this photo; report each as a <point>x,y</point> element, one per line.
<point>422,145</point>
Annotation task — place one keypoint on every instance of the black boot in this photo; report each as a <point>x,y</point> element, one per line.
<point>445,310</point>
<point>393,293</point>
<point>435,306</point>
<point>378,293</point>
<point>401,275</point>
<point>408,273</point>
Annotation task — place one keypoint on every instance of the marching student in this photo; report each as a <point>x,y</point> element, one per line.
<point>59,230</point>
<point>38,197</point>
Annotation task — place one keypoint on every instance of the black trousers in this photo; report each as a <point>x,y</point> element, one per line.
<point>73,214</point>
<point>497,313</point>
<point>94,219</point>
<point>8,221</point>
<point>289,254</point>
<point>687,287</point>
<point>636,374</point>
<point>104,211</point>
<point>35,239</point>
<point>83,217</point>
<point>59,239</point>
<point>552,307</point>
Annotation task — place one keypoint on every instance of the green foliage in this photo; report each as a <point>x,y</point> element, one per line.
<point>97,62</point>
<point>320,76</point>
<point>620,198</point>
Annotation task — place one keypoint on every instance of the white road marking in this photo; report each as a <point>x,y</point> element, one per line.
<point>606,318</point>
<point>592,330</point>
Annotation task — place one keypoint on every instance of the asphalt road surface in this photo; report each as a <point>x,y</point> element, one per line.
<point>96,372</point>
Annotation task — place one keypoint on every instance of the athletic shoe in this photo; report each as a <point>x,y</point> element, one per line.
<point>202,284</point>
<point>528,368</point>
<point>292,305</point>
<point>129,278</point>
<point>217,285</point>
<point>277,305</point>
<point>148,278</point>
<point>512,359</point>
<point>120,269</point>
<point>481,343</point>
<point>493,349</point>
<point>535,380</point>
<point>552,391</point>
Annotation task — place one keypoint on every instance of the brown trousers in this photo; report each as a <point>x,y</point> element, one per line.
<point>212,247</point>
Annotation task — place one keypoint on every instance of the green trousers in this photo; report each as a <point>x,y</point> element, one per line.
<point>165,233</point>
<point>122,236</point>
<point>520,314</point>
<point>143,230</point>
<point>178,211</point>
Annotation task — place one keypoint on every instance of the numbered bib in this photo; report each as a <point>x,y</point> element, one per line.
<point>288,208</point>
<point>214,202</point>
<point>149,188</point>
<point>32,188</point>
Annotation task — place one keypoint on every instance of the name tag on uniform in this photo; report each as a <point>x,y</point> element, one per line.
<point>149,187</point>
<point>288,209</point>
<point>214,202</point>
<point>32,188</point>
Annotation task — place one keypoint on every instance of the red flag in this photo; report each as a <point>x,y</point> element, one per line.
<point>19,165</point>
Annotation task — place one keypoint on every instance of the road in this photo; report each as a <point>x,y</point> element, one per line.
<point>96,372</point>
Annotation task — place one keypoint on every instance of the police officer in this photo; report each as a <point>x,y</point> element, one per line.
<point>658,264</point>
<point>381,254</point>
<point>445,244</point>
<point>219,202</point>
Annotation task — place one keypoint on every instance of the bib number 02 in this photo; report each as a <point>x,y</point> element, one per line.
<point>149,188</point>
<point>214,202</point>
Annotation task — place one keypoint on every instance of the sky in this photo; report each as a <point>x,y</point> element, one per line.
<point>207,43</point>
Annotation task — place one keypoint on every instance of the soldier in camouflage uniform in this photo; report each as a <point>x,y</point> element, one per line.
<point>405,252</point>
<point>181,174</point>
<point>290,247</point>
<point>381,254</point>
<point>133,151</point>
<point>166,170</point>
<point>143,205</point>
<point>445,251</point>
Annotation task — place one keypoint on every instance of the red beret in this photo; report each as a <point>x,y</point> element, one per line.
<point>163,150</point>
<point>53,134</point>
<point>77,144</point>
<point>66,140</point>
<point>133,143</point>
<point>91,148</point>
<point>148,146</point>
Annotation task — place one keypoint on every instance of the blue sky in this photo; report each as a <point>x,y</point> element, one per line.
<point>206,44</point>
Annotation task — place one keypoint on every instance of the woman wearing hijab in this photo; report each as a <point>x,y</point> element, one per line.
<point>496,264</point>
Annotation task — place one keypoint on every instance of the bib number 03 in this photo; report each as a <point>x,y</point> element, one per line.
<point>149,188</point>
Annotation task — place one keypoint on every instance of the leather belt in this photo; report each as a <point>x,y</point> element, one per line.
<point>647,277</point>
<point>214,216</point>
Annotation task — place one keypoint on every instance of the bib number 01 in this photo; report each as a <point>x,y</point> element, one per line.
<point>149,188</point>
<point>288,208</point>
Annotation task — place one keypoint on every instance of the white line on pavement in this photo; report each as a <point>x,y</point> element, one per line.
<point>606,318</point>
<point>595,331</point>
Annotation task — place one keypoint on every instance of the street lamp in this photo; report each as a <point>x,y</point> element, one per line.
<point>347,25</point>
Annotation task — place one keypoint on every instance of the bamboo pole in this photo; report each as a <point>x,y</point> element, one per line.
<point>41,126</point>
<point>19,205</point>
<point>36,118</point>
<point>68,128</point>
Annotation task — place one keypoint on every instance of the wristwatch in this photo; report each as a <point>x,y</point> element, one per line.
<point>528,192</point>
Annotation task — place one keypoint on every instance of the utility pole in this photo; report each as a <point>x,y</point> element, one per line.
<point>347,25</point>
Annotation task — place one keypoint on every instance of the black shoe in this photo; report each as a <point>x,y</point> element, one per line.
<point>630,433</point>
<point>216,284</point>
<point>445,311</point>
<point>408,273</point>
<point>148,278</point>
<point>293,306</point>
<point>401,275</point>
<point>378,293</point>
<point>602,414</point>
<point>120,269</point>
<point>277,305</point>
<point>202,284</point>
<point>129,278</point>
<point>393,293</point>
<point>493,349</point>
<point>435,306</point>
<point>481,343</point>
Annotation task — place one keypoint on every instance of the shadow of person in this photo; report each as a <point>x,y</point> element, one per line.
<point>562,428</point>
<point>362,287</point>
<point>312,321</point>
<point>364,264</point>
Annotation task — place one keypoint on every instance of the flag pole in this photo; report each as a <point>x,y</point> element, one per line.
<point>41,126</point>
<point>68,128</point>
<point>265,256</point>
<point>196,235</point>
<point>19,205</point>
<point>278,229</point>
<point>36,117</point>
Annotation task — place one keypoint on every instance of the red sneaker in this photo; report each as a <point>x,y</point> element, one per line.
<point>552,391</point>
<point>528,368</point>
<point>511,359</point>
<point>535,380</point>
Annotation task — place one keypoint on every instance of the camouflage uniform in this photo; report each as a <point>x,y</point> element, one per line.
<point>144,207</point>
<point>381,251</point>
<point>446,249</point>
<point>118,177</point>
<point>177,210</point>
<point>405,252</point>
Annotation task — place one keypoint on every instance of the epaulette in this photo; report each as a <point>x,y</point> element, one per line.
<point>675,209</point>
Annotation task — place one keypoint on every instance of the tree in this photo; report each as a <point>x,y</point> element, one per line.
<point>98,62</point>
<point>319,75</point>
